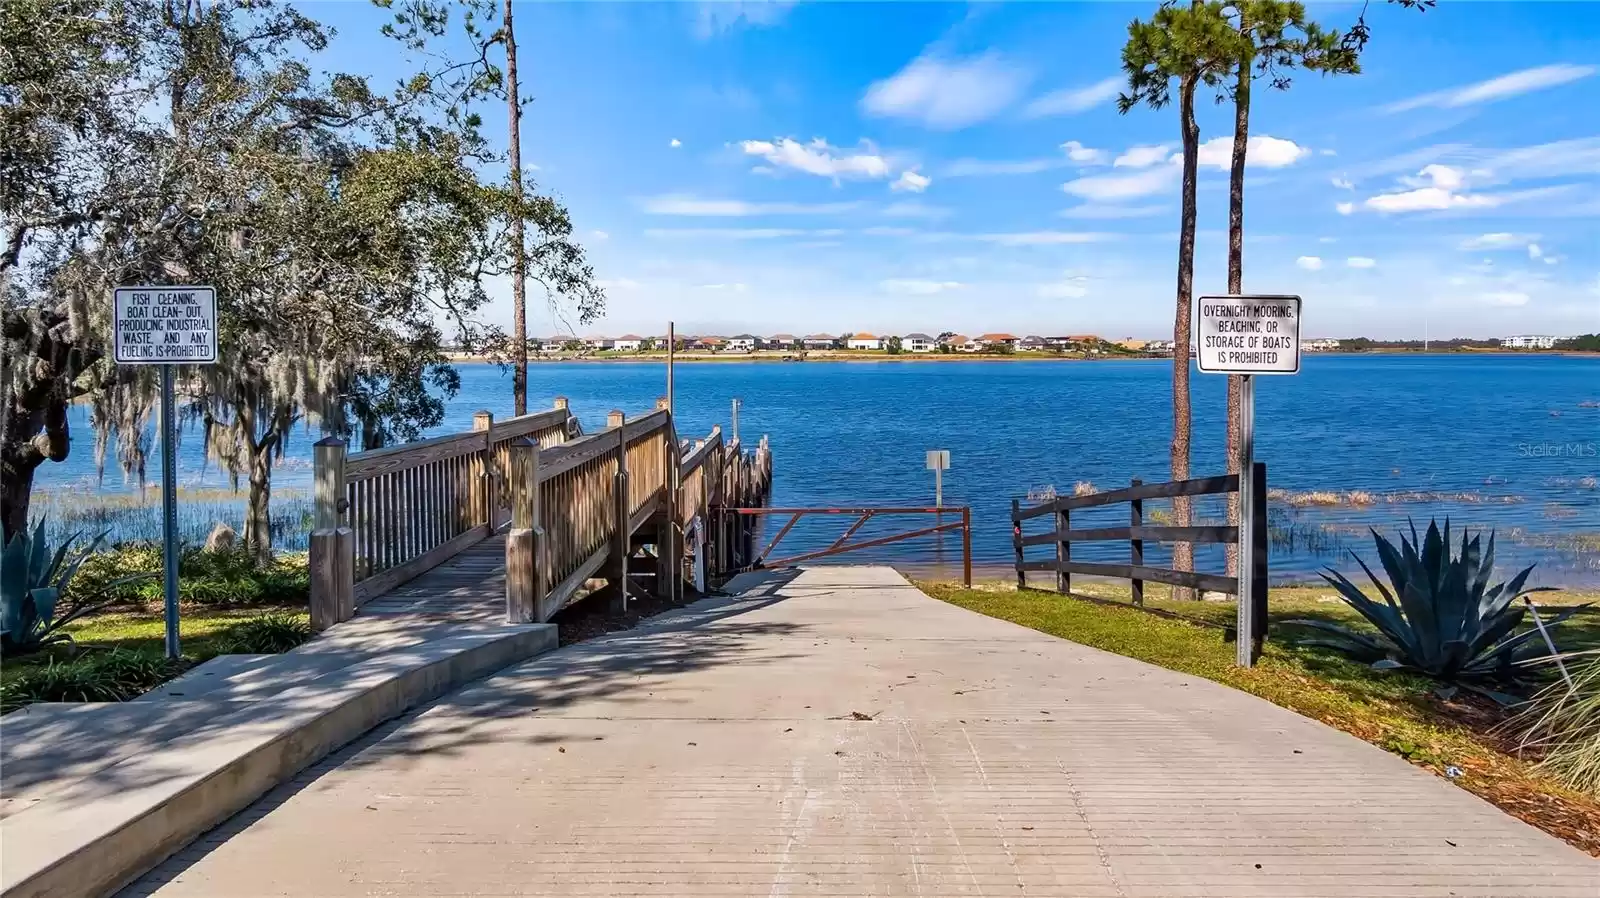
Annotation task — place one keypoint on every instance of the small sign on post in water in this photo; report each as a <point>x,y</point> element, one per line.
<point>1247,335</point>
<point>166,326</point>
<point>938,463</point>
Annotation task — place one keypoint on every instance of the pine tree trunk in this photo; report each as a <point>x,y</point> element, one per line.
<point>1183,553</point>
<point>519,286</point>
<point>1241,139</point>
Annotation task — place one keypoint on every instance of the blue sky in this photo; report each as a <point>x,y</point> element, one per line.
<point>928,167</point>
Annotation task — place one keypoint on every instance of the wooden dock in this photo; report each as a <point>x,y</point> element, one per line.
<point>514,520</point>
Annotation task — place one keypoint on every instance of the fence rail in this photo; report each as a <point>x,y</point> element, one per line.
<point>578,507</point>
<point>1063,535</point>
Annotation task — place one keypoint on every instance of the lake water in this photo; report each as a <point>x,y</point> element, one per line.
<point>1503,441</point>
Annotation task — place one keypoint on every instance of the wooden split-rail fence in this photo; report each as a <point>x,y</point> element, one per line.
<point>574,508</point>
<point>1063,535</point>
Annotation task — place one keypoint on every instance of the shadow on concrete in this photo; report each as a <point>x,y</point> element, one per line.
<point>626,666</point>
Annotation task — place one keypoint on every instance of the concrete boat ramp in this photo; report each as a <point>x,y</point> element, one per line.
<point>834,731</point>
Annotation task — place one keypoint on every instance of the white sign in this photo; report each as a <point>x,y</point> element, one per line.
<point>1248,334</point>
<point>938,459</point>
<point>165,325</point>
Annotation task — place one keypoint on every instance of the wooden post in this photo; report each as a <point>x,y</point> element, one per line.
<point>1063,551</point>
<point>483,493</point>
<point>966,546</point>
<point>1135,545</point>
<point>623,543</point>
<point>1016,542</point>
<point>331,560</point>
<point>525,538</point>
<point>1258,556</point>
<point>668,543</point>
<point>661,403</point>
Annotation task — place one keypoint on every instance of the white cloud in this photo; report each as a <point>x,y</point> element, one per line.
<point>911,181</point>
<point>1071,288</point>
<point>736,288</point>
<point>1425,199</point>
<point>888,231</point>
<point>1344,184</point>
<point>1534,252</point>
<point>913,287</point>
<point>1435,175</point>
<point>968,168</point>
<point>1142,157</point>
<point>1361,262</point>
<point>599,236</point>
<point>675,143</point>
<point>1497,240</point>
<point>1512,85</point>
<point>1072,100</point>
<point>1309,263</point>
<point>1504,298</point>
<point>713,18</point>
<point>947,94</point>
<point>679,204</point>
<point>1041,238</point>
<point>1098,210</point>
<point>1435,189</point>
<point>1104,188</point>
<point>915,210</point>
<point>1083,155</point>
<point>1075,153</point>
<point>736,233</point>
<point>1344,208</point>
<point>818,158</point>
<point>1261,151</point>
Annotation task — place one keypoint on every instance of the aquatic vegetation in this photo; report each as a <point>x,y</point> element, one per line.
<point>136,516</point>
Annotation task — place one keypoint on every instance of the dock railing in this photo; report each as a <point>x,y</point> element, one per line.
<point>579,508</point>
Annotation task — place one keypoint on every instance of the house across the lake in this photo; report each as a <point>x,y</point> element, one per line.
<point>628,343</point>
<point>818,341</point>
<point>781,341</point>
<point>988,341</point>
<point>743,343</point>
<point>1031,344</point>
<point>864,341</point>
<point>918,343</point>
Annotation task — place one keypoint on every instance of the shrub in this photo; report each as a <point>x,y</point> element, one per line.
<point>1442,619</point>
<point>1565,726</point>
<point>33,580</point>
<point>219,578</point>
<point>267,635</point>
<point>113,676</point>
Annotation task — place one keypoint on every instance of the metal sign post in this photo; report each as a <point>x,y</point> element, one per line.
<point>1247,335</point>
<point>166,326</point>
<point>938,463</point>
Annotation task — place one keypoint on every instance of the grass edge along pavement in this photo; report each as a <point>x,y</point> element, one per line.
<point>1396,712</point>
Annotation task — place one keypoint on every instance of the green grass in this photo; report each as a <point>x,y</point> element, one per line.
<point>1398,712</point>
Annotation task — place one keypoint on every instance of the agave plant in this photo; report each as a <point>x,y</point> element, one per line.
<point>1439,616</point>
<point>32,580</point>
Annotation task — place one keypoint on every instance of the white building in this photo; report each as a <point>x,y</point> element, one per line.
<point>1323,345</point>
<point>628,343</point>
<point>864,341</point>
<point>918,343</point>
<point>743,343</point>
<point>1529,341</point>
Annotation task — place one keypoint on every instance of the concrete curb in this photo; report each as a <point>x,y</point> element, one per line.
<point>155,804</point>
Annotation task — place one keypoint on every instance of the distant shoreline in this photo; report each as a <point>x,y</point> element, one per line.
<point>860,355</point>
